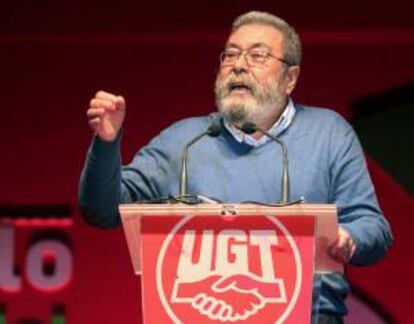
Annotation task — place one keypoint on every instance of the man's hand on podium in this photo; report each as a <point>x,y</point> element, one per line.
<point>344,247</point>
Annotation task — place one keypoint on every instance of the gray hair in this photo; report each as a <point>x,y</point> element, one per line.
<point>291,45</point>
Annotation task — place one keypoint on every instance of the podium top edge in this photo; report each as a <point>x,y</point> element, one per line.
<point>236,209</point>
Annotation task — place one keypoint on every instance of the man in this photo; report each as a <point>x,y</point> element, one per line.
<point>259,69</point>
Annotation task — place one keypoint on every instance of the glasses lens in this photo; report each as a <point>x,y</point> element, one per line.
<point>256,57</point>
<point>229,57</point>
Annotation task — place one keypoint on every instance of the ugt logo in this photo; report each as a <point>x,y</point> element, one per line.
<point>244,270</point>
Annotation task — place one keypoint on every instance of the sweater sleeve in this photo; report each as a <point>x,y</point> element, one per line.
<point>100,184</point>
<point>354,195</point>
<point>105,184</point>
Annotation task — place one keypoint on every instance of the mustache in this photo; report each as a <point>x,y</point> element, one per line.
<point>238,82</point>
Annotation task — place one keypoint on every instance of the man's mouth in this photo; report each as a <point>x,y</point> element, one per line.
<point>239,87</point>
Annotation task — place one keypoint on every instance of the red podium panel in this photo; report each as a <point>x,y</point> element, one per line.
<point>226,263</point>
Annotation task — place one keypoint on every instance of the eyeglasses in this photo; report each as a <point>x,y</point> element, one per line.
<point>253,57</point>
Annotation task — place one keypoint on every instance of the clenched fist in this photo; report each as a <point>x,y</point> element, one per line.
<point>106,114</point>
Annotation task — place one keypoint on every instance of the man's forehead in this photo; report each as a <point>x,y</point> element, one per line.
<point>258,45</point>
<point>255,35</point>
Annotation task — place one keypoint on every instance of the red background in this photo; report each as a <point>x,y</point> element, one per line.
<point>162,56</point>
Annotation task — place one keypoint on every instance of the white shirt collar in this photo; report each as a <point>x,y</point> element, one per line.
<point>281,124</point>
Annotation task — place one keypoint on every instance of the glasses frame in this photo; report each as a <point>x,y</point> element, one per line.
<point>245,56</point>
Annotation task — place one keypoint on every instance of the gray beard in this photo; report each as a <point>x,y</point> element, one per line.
<point>266,102</point>
<point>235,113</point>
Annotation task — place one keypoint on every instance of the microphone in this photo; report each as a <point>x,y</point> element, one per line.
<point>214,130</point>
<point>250,128</point>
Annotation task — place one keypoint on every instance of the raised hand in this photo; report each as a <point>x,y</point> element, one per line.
<point>106,113</point>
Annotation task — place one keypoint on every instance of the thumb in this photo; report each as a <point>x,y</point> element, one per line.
<point>223,283</point>
<point>120,102</point>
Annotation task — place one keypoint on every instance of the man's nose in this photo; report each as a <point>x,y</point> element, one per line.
<point>240,65</point>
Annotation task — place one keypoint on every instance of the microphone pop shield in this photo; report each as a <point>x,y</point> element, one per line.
<point>249,128</point>
<point>214,130</point>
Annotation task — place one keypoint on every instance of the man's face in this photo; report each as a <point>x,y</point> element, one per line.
<point>253,92</point>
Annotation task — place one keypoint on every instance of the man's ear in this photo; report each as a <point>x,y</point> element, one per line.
<point>291,78</point>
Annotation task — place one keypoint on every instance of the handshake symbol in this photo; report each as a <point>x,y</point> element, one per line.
<point>231,298</point>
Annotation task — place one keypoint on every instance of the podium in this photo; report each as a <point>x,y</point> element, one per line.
<point>229,263</point>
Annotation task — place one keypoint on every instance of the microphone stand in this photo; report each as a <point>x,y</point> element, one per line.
<point>214,130</point>
<point>250,128</point>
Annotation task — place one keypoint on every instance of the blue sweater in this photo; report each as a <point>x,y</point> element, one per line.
<point>326,165</point>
